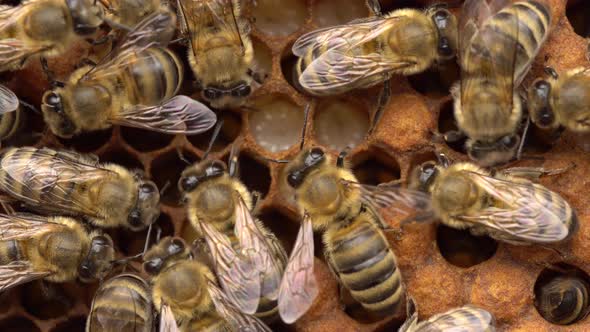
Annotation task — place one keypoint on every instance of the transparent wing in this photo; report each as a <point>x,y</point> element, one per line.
<point>14,51</point>
<point>299,287</point>
<point>177,115</point>
<point>24,226</point>
<point>45,182</point>
<point>10,14</point>
<point>239,278</point>
<point>234,317</point>
<point>467,318</point>
<point>8,100</point>
<point>17,273</point>
<point>255,246</point>
<point>526,211</point>
<point>167,320</point>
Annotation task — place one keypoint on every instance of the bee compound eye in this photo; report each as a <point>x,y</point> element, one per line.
<point>242,91</point>
<point>211,93</point>
<point>153,266</point>
<point>175,247</point>
<point>316,153</point>
<point>510,141</point>
<point>295,179</point>
<point>188,183</point>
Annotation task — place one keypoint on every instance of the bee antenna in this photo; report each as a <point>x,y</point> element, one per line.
<point>304,129</point>
<point>213,138</point>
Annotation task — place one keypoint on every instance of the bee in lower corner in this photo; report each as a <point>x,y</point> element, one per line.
<point>68,183</point>
<point>467,318</point>
<point>55,249</point>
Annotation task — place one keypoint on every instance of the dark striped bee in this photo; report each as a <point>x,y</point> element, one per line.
<point>497,45</point>
<point>467,318</point>
<point>55,249</point>
<point>135,87</point>
<point>122,304</point>
<point>563,300</point>
<point>68,183</point>
<point>503,205</point>
<point>366,52</point>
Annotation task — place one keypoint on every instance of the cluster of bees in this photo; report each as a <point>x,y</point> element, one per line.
<point>238,276</point>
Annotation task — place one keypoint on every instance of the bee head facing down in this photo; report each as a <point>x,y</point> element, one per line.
<point>98,262</point>
<point>542,113</point>
<point>446,25</point>
<point>86,16</point>
<point>307,161</point>
<point>490,153</point>
<point>227,95</point>
<point>147,207</point>
<point>197,174</point>
<point>164,254</point>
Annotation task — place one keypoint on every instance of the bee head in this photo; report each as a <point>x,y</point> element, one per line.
<point>307,160</point>
<point>98,262</point>
<point>423,176</point>
<point>446,25</point>
<point>86,16</point>
<point>147,206</point>
<point>490,153</point>
<point>539,106</point>
<point>193,176</point>
<point>54,113</point>
<point>227,96</point>
<point>165,253</point>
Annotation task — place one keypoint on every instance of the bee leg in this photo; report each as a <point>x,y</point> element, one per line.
<point>85,62</point>
<point>49,74</point>
<point>100,41</point>
<point>452,136</point>
<point>181,156</point>
<point>256,195</point>
<point>28,106</point>
<point>564,256</point>
<point>50,292</point>
<point>341,156</point>
<point>234,165</point>
<point>534,173</point>
<point>523,138</point>
<point>384,96</point>
<point>374,7</point>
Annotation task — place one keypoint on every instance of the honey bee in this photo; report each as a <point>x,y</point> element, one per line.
<point>330,199</point>
<point>184,291</point>
<point>220,50</point>
<point>217,198</point>
<point>128,13</point>
<point>44,27</point>
<point>496,51</point>
<point>55,249</point>
<point>122,304</point>
<point>133,88</point>
<point>563,300</point>
<point>468,318</point>
<point>68,183</point>
<point>11,117</point>
<point>503,205</point>
<point>369,51</point>
<point>561,101</point>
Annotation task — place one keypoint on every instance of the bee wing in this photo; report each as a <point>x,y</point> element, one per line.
<point>527,211</point>
<point>24,225</point>
<point>234,317</point>
<point>467,318</point>
<point>14,51</point>
<point>54,175</point>
<point>17,273</point>
<point>177,115</point>
<point>237,275</point>
<point>167,320</point>
<point>299,287</point>
<point>8,100</point>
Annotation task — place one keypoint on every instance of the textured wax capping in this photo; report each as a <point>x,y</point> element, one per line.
<point>442,268</point>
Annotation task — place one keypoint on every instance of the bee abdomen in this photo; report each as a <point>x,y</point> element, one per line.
<point>10,251</point>
<point>367,266</point>
<point>564,300</point>
<point>122,304</point>
<point>10,123</point>
<point>206,323</point>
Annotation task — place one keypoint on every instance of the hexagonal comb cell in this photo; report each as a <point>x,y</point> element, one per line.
<point>88,142</point>
<point>254,174</point>
<point>375,168</point>
<point>46,300</point>
<point>462,249</point>
<point>132,243</point>
<point>279,17</point>
<point>77,323</point>
<point>231,129</point>
<point>276,122</point>
<point>330,13</point>
<point>18,323</point>
<point>578,14</point>
<point>262,56</point>
<point>145,140</point>
<point>340,123</point>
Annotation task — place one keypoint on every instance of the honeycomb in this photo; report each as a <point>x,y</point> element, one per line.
<point>442,268</point>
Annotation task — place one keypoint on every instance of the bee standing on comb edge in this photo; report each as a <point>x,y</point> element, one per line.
<point>135,86</point>
<point>185,292</point>
<point>68,183</point>
<point>366,52</point>
<point>496,48</point>
<point>219,207</point>
<point>55,249</point>
<point>220,51</point>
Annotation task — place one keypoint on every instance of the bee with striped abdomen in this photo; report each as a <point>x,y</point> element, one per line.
<point>184,292</point>
<point>55,249</point>
<point>68,183</point>
<point>216,197</point>
<point>503,205</point>
<point>135,87</point>
<point>467,318</point>
<point>563,300</point>
<point>220,50</point>
<point>369,51</point>
<point>45,28</point>
<point>122,304</point>
<point>497,45</point>
<point>561,100</point>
